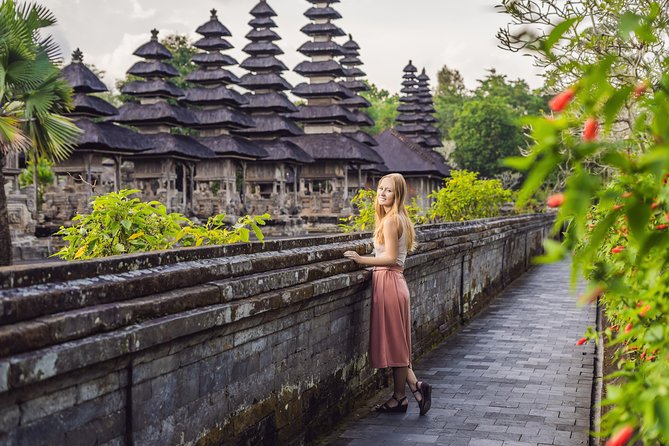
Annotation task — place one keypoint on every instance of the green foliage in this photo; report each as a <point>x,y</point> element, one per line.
<point>616,225</point>
<point>465,197</point>
<point>383,110</point>
<point>120,224</point>
<point>485,132</point>
<point>363,217</point>
<point>45,176</point>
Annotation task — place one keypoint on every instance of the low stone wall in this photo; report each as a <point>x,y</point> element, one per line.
<point>241,344</point>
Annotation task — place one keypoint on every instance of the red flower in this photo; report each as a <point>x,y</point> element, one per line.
<point>617,207</point>
<point>640,89</point>
<point>654,205</point>
<point>628,328</point>
<point>626,195</point>
<point>666,217</point>
<point>560,101</point>
<point>590,130</point>
<point>644,310</point>
<point>661,227</point>
<point>581,341</point>
<point>621,437</point>
<point>555,201</point>
<point>617,249</point>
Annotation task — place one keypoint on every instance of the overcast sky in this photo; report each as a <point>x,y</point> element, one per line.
<point>432,33</point>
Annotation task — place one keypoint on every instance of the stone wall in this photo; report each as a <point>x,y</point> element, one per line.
<point>242,344</point>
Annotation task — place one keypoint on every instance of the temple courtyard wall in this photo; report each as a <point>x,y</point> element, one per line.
<point>238,344</point>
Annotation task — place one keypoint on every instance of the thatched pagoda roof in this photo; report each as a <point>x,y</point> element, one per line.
<point>356,102</point>
<point>269,126</point>
<point>213,43</point>
<point>264,102</point>
<point>408,118</point>
<point>355,85</point>
<point>322,29</point>
<point>328,48</point>
<point>351,45</point>
<point>214,96</point>
<point>263,9</point>
<point>153,50</point>
<point>104,137</point>
<point>226,145</point>
<point>283,150</point>
<point>329,68</point>
<point>212,77</point>
<point>214,59</point>
<point>410,128</point>
<point>263,64</point>
<point>262,35</point>
<point>160,113</point>
<point>350,61</point>
<point>363,138</point>
<point>322,13</point>
<point>153,68</point>
<point>177,146</point>
<point>213,28</point>
<point>221,117</point>
<point>80,77</point>
<point>262,48</point>
<point>268,81</point>
<point>325,114</point>
<point>153,88</point>
<point>323,90</point>
<point>336,146</point>
<point>85,105</point>
<point>401,154</point>
<point>410,68</point>
<point>409,108</point>
<point>262,22</point>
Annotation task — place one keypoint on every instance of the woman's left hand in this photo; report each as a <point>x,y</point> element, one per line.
<point>353,256</point>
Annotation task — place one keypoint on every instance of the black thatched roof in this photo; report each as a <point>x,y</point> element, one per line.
<point>214,96</point>
<point>323,1</point>
<point>409,108</point>
<point>411,95</point>
<point>153,50</point>
<point>91,106</point>
<point>354,72</point>
<point>269,81</point>
<point>221,117</point>
<point>410,128</point>
<point>214,59</point>
<point>80,78</point>
<point>362,119</point>
<point>262,35</point>
<point>154,88</point>
<point>356,102</point>
<point>271,126</point>
<point>268,102</point>
<point>212,77</point>
<point>350,61</point>
<point>329,48</point>
<point>408,118</point>
<point>178,146</point>
<point>213,43</point>
<point>336,146</point>
<point>322,29</point>
<point>363,138</point>
<point>213,28</point>
<point>153,68</point>
<point>283,150</point>
<point>160,113</point>
<point>325,114</point>
<point>262,22</point>
<point>263,64</point>
<point>410,68</point>
<point>402,155</point>
<point>324,90</point>
<point>109,138</point>
<point>262,9</point>
<point>431,141</point>
<point>226,145</point>
<point>262,48</point>
<point>351,45</point>
<point>355,85</point>
<point>324,68</point>
<point>429,119</point>
<point>322,13</point>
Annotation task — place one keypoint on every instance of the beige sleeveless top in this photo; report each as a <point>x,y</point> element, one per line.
<point>380,249</point>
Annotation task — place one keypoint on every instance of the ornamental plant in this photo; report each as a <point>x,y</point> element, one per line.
<point>466,197</point>
<point>363,217</point>
<point>614,138</point>
<point>120,224</point>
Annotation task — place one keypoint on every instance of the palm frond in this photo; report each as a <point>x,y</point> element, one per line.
<point>12,138</point>
<point>54,136</point>
<point>52,50</point>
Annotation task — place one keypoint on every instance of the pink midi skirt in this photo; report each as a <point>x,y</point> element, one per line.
<point>390,324</point>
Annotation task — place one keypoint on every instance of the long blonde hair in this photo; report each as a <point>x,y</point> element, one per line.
<point>398,212</point>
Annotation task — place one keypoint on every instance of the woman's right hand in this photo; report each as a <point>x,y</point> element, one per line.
<point>353,256</point>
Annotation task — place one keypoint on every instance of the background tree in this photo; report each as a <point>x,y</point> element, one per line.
<point>486,131</point>
<point>449,96</point>
<point>32,94</point>
<point>383,110</point>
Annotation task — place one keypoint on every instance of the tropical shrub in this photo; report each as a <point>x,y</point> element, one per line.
<point>363,216</point>
<point>120,224</point>
<point>465,197</point>
<point>615,209</point>
<point>45,176</point>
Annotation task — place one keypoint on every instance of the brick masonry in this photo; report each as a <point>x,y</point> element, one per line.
<point>245,344</point>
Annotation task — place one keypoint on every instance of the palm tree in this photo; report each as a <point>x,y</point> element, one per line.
<point>32,96</point>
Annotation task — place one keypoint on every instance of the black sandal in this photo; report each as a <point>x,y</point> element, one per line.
<point>426,401</point>
<point>400,408</point>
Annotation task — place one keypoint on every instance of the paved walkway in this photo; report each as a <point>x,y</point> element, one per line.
<point>512,377</point>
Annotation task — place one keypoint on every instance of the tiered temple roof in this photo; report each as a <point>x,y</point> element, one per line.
<point>97,136</point>
<point>409,119</point>
<point>216,106</point>
<point>325,112</point>
<point>432,135</point>
<point>351,63</point>
<point>267,103</point>
<point>153,113</point>
<point>401,154</point>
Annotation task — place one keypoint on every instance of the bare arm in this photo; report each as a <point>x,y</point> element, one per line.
<point>389,258</point>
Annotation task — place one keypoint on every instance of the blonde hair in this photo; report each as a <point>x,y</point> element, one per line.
<point>398,212</point>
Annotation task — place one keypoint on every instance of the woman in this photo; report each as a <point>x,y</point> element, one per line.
<point>390,325</point>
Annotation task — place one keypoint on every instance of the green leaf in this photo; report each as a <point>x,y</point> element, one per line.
<point>554,251</point>
<point>629,23</point>
<point>557,33</point>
